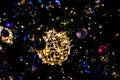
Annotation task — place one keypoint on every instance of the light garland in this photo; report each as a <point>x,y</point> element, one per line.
<point>57,48</point>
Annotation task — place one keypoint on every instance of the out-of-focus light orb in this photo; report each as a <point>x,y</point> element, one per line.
<point>97,1</point>
<point>33,68</point>
<point>104,58</point>
<point>115,74</point>
<point>22,2</point>
<point>80,34</point>
<point>49,5</point>
<point>117,36</point>
<point>31,37</point>
<point>57,48</point>
<point>39,1</point>
<point>58,2</point>
<point>9,24</point>
<point>6,35</point>
<point>118,12</point>
<point>103,49</point>
<point>1,48</point>
<point>88,10</point>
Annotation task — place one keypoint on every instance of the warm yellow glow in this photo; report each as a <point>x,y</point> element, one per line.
<point>22,2</point>
<point>57,48</point>
<point>8,39</point>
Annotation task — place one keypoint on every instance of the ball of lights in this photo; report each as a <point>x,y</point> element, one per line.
<point>57,48</point>
<point>6,35</point>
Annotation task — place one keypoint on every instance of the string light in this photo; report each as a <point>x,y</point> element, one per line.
<point>57,48</point>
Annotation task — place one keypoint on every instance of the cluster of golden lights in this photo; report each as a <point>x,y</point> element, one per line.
<point>57,48</point>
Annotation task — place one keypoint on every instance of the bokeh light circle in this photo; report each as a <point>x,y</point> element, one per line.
<point>82,33</point>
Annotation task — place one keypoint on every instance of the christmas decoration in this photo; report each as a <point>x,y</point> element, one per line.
<point>59,40</point>
<point>57,48</point>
